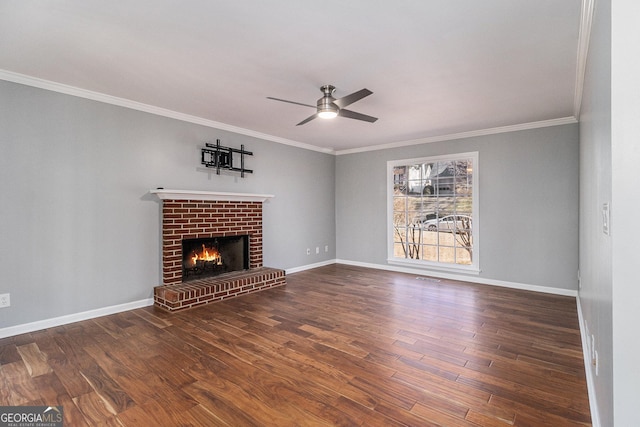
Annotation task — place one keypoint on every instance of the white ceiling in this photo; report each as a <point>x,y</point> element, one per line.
<point>435,67</point>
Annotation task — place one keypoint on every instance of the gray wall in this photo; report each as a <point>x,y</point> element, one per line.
<point>78,230</point>
<point>625,202</point>
<point>528,204</point>
<point>595,190</point>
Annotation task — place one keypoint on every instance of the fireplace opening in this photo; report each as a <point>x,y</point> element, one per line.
<point>213,256</point>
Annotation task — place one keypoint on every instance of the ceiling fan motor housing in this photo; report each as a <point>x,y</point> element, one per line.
<point>326,107</point>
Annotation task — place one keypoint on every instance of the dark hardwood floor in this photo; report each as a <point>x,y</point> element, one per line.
<point>339,345</point>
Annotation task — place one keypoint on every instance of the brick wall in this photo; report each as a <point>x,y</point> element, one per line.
<point>194,219</point>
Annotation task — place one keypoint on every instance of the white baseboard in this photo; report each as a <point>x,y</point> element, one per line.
<point>105,311</point>
<point>70,318</point>
<point>309,266</point>
<point>591,388</point>
<point>463,278</point>
<point>76,317</point>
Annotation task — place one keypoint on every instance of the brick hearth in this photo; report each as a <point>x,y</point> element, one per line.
<point>194,215</point>
<point>198,292</point>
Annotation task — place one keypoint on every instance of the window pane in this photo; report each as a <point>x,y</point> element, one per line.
<point>414,217</point>
<point>399,202</point>
<point>414,203</point>
<point>429,170</point>
<point>415,179</point>
<point>446,254</point>
<point>446,206</point>
<point>400,234</point>
<point>399,250</point>
<point>399,218</point>
<point>445,238</point>
<point>400,180</point>
<point>463,224</point>
<point>463,187</point>
<point>445,178</point>
<point>464,206</point>
<point>462,167</point>
<point>464,240</point>
<point>463,256</point>
<point>430,207</point>
<point>414,235</point>
<point>430,253</point>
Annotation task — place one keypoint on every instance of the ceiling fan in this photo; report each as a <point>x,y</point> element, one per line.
<point>328,107</point>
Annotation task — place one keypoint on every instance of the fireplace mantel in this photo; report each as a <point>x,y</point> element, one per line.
<point>163,194</point>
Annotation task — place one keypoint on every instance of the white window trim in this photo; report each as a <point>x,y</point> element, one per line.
<point>474,268</point>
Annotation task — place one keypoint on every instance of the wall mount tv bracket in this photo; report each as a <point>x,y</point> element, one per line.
<point>219,157</point>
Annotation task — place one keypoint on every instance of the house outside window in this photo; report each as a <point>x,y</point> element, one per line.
<point>432,212</point>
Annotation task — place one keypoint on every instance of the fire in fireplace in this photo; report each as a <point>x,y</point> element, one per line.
<point>212,256</point>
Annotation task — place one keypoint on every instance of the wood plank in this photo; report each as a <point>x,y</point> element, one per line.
<point>34,359</point>
<point>18,385</point>
<point>8,352</point>
<point>339,345</point>
<point>115,399</point>
<point>93,408</point>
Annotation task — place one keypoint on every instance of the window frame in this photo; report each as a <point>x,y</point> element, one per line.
<point>474,267</point>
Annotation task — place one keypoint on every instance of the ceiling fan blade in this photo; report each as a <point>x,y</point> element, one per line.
<point>358,116</point>
<point>308,119</point>
<point>291,102</point>
<point>350,99</point>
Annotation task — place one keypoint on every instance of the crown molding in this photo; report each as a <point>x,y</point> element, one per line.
<point>134,105</point>
<point>470,134</point>
<point>586,19</point>
<point>138,106</point>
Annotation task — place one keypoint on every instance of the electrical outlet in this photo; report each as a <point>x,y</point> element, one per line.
<point>594,355</point>
<point>579,280</point>
<point>326,248</point>
<point>317,250</point>
<point>5,300</point>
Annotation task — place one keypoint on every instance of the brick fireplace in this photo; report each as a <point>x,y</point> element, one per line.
<point>203,214</point>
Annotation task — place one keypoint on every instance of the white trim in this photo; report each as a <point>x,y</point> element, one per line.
<point>591,386</point>
<point>470,279</point>
<point>134,105</point>
<point>430,266</point>
<point>105,311</point>
<point>309,266</point>
<point>470,134</point>
<point>586,18</point>
<point>163,194</point>
<point>475,214</point>
<point>71,318</point>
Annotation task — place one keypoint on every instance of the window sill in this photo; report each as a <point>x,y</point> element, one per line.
<point>425,265</point>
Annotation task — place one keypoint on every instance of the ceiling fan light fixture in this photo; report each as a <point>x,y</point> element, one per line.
<point>326,108</point>
<point>329,114</point>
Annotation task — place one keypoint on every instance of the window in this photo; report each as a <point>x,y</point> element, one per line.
<point>432,208</point>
